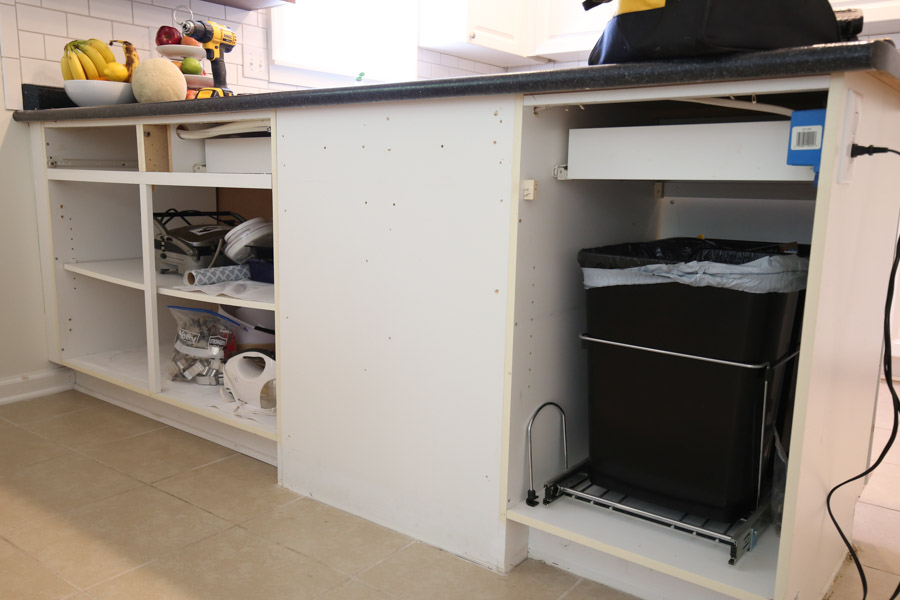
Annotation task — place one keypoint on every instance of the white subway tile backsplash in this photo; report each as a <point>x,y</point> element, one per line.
<point>12,84</point>
<point>439,71</point>
<point>254,36</point>
<point>9,32</point>
<point>173,4</point>
<point>41,20</point>
<point>54,47</point>
<point>244,17</point>
<point>151,16</point>
<point>34,32</point>
<point>136,34</point>
<point>31,45</point>
<point>431,56</point>
<point>41,72</point>
<point>114,10</point>
<point>466,65</point>
<point>70,6</point>
<point>213,11</point>
<point>88,27</point>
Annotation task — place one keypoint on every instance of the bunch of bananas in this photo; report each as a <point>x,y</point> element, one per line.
<point>92,59</point>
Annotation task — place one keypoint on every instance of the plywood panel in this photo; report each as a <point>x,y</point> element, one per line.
<point>157,151</point>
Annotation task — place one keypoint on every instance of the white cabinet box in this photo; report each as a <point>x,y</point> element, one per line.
<point>239,155</point>
<point>699,152</point>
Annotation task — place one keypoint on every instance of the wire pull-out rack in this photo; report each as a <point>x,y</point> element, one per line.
<point>740,535</point>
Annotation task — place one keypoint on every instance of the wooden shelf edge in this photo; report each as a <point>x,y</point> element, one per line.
<point>87,270</point>
<point>225,300</point>
<point>229,180</point>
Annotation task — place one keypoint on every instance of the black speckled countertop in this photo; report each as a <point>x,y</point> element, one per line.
<point>879,56</point>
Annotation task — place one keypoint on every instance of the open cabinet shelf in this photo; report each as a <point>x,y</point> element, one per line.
<point>128,272</point>
<point>103,183</point>
<point>207,180</point>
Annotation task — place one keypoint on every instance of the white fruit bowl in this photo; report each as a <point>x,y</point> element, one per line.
<point>93,92</point>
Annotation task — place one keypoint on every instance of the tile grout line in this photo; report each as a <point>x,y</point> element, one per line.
<point>45,565</point>
<point>158,558</point>
<point>868,503</point>
<point>578,581</point>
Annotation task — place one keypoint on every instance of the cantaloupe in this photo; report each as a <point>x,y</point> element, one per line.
<point>158,80</point>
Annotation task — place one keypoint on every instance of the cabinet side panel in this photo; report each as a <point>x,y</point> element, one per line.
<point>45,240</point>
<point>853,239</point>
<point>393,268</point>
<point>549,361</point>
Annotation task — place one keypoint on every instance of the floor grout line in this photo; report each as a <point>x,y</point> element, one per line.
<point>578,580</point>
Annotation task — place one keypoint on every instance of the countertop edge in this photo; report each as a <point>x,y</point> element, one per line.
<point>878,55</point>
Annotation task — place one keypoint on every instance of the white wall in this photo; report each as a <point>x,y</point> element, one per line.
<point>33,33</point>
<point>22,350</point>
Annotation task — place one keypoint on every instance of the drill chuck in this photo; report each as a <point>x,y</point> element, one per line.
<point>197,30</point>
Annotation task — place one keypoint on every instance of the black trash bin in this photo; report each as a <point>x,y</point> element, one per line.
<point>685,380</point>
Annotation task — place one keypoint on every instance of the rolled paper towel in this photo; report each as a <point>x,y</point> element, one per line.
<point>216,275</point>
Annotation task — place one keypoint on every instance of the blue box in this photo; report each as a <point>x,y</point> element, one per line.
<point>805,143</point>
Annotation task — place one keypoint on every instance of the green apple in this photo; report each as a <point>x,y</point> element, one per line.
<point>191,66</point>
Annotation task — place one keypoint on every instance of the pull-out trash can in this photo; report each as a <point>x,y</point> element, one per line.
<point>689,343</point>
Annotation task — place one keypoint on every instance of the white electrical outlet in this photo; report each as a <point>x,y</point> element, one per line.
<point>255,65</point>
<point>852,107</point>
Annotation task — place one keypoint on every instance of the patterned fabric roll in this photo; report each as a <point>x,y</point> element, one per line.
<point>216,275</point>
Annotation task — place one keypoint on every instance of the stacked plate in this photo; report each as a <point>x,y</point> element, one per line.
<point>177,52</point>
<point>240,240</point>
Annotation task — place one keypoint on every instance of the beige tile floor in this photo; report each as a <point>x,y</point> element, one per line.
<point>876,526</point>
<point>100,503</point>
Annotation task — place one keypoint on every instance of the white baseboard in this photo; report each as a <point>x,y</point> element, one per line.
<point>36,384</point>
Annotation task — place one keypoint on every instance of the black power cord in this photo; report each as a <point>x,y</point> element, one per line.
<point>857,150</point>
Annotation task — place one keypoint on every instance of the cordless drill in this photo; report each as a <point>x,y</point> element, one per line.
<point>216,40</point>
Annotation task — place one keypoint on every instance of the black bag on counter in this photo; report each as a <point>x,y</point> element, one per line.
<point>661,29</point>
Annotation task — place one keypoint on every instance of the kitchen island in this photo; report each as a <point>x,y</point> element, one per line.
<point>426,307</point>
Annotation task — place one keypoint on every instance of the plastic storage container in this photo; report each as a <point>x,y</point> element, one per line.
<point>684,381</point>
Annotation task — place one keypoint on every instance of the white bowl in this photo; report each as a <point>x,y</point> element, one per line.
<point>94,92</point>
<point>178,51</point>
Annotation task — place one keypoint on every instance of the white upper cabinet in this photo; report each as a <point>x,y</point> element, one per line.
<point>563,31</point>
<point>491,31</point>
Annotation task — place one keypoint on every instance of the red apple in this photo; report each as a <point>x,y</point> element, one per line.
<point>166,35</point>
